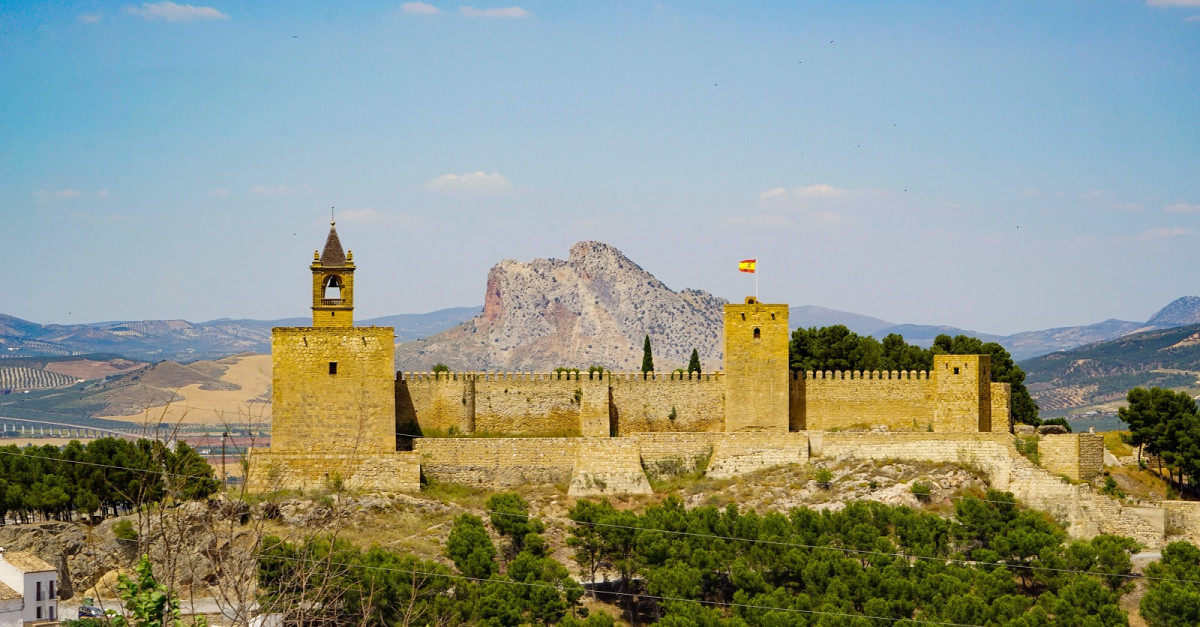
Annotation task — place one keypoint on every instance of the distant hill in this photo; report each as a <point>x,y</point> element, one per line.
<point>1034,343</point>
<point>595,307</point>
<point>924,334</point>
<point>1104,372</point>
<point>808,316</point>
<point>179,340</point>
<point>1180,312</point>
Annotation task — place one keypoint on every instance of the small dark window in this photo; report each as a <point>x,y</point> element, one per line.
<point>743,316</point>
<point>757,333</point>
<point>51,592</point>
<point>956,371</point>
<point>772,316</point>
<point>39,612</point>
<point>333,368</point>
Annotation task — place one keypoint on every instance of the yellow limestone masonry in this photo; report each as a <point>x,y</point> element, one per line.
<point>339,406</point>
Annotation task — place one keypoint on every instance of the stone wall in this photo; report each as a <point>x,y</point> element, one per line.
<point>673,453</point>
<point>645,405</point>
<point>839,400</point>
<point>743,453</point>
<point>1183,519</point>
<point>608,466</point>
<point>1001,408</point>
<point>1077,456</point>
<point>332,389</point>
<point>991,453</point>
<point>548,404</point>
<point>498,462</point>
<point>375,472</point>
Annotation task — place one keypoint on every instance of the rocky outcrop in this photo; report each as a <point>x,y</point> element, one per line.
<point>593,308</point>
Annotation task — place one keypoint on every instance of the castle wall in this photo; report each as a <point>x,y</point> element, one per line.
<point>1077,456</point>
<point>270,471</point>
<point>902,401</point>
<point>1001,411</point>
<point>641,405</point>
<point>498,462</point>
<point>990,452</point>
<point>665,453</point>
<point>1183,518</point>
<point>314,408</point>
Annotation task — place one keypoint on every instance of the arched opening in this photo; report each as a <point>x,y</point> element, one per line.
<point>757,333</point>
<point>333,287</point>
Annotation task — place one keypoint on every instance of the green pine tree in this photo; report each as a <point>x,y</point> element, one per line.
<point>647,358</point>
<point>694,362</point>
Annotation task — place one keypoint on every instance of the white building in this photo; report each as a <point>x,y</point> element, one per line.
<point>28,590</point>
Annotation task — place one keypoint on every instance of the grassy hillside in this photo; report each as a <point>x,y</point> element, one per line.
<point>1104,372</point>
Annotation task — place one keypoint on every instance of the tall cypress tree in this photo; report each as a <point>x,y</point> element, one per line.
<point>647,358</point>
<point>694,362</point>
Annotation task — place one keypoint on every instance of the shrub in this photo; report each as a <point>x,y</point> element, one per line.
<point>124,530</point>
<point>440,367</point>
<point>922,491</point>
<point>824,478</point>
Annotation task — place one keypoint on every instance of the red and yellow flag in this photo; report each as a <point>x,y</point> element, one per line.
<point>747,265</point>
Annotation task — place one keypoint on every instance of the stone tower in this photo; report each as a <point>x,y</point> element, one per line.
<point>962,393</point>
<point>333,284</point>
<point>333,384</point>
<point>756,367</point>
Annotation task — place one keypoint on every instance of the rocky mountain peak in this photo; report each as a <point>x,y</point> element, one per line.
<point>593,308</point>
<point>1179,312</point>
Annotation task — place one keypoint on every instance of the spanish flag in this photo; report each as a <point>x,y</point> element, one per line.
<point>747,265</point>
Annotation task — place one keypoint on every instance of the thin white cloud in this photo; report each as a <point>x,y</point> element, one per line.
<point>507,12</point>
<point>471,182</point>
<point>279,190</point>
<point>87,217</point>
<point>419,8</point>
<point>1192,18</point>
<point>1173,3</point>
<point>818,191</point>
<point>90,18</point>
<point>171,12</point>
<point>1182,207</point>
<point>830,219</point>
<point>220,191</point>
<point>65,194</point>
<point>1163,232</point>
<point>370,216</point>
<point>102,193</point>
<point>763,221</point>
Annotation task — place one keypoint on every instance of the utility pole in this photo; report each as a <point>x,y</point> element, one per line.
<point>224,476</point>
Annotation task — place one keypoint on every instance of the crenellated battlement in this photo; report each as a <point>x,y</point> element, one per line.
<point>844,375</point>
<point>624,377</point>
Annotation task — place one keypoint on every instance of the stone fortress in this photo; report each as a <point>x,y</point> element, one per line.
<point>342,414</point>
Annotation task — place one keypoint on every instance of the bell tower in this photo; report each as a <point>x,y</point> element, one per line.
<point>333,284</point>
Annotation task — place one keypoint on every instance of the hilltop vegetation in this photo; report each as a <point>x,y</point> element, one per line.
<point>1105,372</point>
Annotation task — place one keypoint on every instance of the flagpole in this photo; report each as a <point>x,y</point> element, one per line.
<point>756,280</point>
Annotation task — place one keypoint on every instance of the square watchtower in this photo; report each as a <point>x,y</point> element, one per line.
<point>756,367</point>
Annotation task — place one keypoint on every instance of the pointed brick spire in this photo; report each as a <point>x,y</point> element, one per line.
<point>333,254</point>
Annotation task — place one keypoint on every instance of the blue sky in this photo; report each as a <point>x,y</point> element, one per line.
<point>999,166</point>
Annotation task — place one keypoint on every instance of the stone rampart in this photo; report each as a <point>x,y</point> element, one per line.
<point>901,401</point>
<point>668,403</point>
<point>743,453</point>
<point>498,462</point>
<point>1183,519</point>
<point>1077,456</point>
<point>608,466</point>
<point>991,453</point>
<point>1001,408</point>
<point>672,453</point>
<point>375,472</point>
